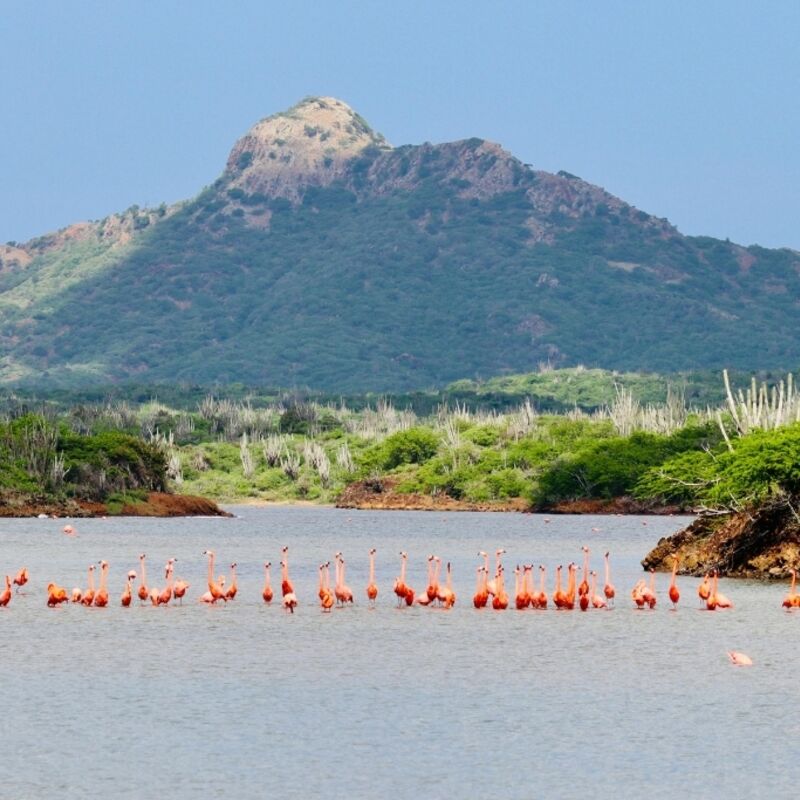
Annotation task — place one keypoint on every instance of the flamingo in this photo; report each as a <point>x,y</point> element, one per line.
<point>447,595</point>
<point>215,589</point>
<point>704,591</point>
<point>520,598</point>
<point>179,589</point>
<point>583,588</point>
<point>266,592</point>
<point>570,593</point>
<point>165,595</point>
<point>559,598</point>
<point>127,592</point>
<point>492,585</point>
<point>101,598</point>
<point>372,587</point>
<point>790,601</point>
<point>637,594</point>
<point>500,599</point>
<point>401,589</point>
<point>527,586</point>
<point>481,596</point>
<point>740,659</point>
<point>542,604</point>
<point>342,592</point>
<point>88,595</point>
<point>56,595</point>
<point>289,598</point>
<point>649,592</point>
<point>230,592</point>
<point>711,599</point>
<point>608,589</point>
<point>598,601</point>
<point>21,578</point>
<point>143,593</point>
<point>432,590</point>
<point>326,596</point>
<point>436,585</point>
<point>76,595</point>
<point>5,596</point>
<point>674,593</point>
<point>286,584</point>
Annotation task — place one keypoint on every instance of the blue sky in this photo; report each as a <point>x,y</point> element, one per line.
<point>687,110</point>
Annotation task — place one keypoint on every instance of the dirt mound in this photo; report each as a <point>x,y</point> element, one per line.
<point>159,504</point>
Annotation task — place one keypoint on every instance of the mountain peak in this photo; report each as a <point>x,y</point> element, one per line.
<point>309,144</point>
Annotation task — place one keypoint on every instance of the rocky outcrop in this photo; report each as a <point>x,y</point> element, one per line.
<point>311,144</point>
<point>762,543</point>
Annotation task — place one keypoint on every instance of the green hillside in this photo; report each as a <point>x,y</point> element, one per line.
<point>324,258</point>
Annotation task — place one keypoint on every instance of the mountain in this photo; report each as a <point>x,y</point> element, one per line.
<point>324,257</point>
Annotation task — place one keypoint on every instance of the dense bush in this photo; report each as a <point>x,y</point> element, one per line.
<point>762,464</point>
<point>611,468</point>
<point>37,455</point>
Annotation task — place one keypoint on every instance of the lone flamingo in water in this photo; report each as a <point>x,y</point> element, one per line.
<point>740,659</point>
<point>372,587</point>
<point>21,578</point>
<point>266,592</point>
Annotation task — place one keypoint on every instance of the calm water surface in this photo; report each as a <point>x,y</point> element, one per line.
<point>366,702</point>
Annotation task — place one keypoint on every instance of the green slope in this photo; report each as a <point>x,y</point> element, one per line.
<point>400,273</point>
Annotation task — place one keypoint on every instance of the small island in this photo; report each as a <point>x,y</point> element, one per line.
<point>48,468</point>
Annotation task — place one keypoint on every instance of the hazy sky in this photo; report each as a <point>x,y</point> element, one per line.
<point>688,110</point>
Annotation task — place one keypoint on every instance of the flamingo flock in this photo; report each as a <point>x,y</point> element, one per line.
<point>579,588</point>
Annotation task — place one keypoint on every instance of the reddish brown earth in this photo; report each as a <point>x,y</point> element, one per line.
<point>157,505</point>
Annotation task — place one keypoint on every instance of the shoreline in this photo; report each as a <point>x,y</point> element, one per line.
<point>157,504</point>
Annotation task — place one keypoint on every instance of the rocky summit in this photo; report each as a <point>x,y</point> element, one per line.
<point>324,257</point>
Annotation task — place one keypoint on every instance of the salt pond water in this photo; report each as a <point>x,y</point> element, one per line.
<point>247,701</point>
